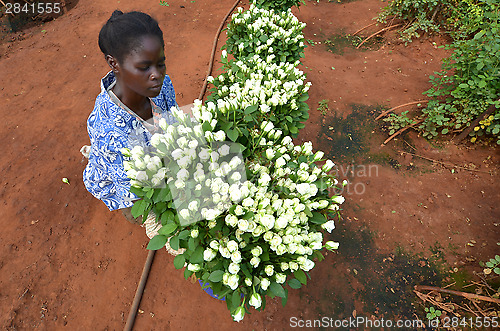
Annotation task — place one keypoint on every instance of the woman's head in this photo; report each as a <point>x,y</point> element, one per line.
<point>134,49</point>
<point>122,33</point>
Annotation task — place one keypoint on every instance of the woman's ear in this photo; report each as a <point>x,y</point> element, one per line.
<point>113,63</point>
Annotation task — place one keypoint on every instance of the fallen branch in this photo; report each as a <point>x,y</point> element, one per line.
<point>447,164</point>
<point>3,3</point>
<point>469,296</point>
<point>401,131</point>
<point>378,32</point>
<point>400,106</point>
<point>474,123</point>
<point>365,27</point>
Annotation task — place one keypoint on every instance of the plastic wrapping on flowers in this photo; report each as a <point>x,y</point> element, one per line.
<point>229,186</point>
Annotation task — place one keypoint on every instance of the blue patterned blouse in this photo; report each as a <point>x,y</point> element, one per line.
<point>110,129</point>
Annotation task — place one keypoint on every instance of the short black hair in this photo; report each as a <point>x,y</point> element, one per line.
<point>120,35</point>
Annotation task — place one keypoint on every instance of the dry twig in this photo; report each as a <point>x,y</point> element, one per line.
<point>397,107</point>
<point>401,131</point>
<point>379,32</point>
<point>446,164</point>
<point>470,296</point>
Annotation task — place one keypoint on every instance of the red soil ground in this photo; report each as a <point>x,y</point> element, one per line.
<point>66,262</point>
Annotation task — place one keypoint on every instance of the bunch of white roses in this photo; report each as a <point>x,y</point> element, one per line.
<point>265,33</point>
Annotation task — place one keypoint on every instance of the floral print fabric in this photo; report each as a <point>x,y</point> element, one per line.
<point>110,129</point>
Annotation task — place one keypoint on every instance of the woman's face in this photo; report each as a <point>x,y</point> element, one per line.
<point>142,70</point>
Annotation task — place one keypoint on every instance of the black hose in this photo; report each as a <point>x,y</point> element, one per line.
<point>140,289</point>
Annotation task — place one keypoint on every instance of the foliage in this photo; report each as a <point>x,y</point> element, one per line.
<point>278,5</point>
<point>459,18</point>
<point>274,36</point>
<point>469,81</point>
<point>432,313</point>
<point>397,122</point>
<point>491,265</point>
<point>323,106</point>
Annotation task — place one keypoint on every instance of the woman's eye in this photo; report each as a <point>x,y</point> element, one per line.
<point>143,68</point>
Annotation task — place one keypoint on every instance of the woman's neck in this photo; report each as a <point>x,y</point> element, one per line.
<point>139,104</point>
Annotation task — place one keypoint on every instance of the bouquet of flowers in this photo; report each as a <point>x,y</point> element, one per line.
<point>247,225</point>
<point>244,206</point>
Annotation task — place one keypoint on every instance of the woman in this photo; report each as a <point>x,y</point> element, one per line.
<point>135,94</point>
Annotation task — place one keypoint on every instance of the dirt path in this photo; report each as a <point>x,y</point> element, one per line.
<point>67,262</point>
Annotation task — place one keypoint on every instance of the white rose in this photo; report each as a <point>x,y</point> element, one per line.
<point>239,210</point>
<point>280,278</point>
<point>232,246</point>
<point>254,261</point>
<point>331,245</point>
<point>236,256</point>
<point>270,153</point>
<point>264,283</point>
<point>328,226</point>
<point>308,265</point>
<point>255,300</point>
<point>327,166</point>
<point>224,149</point>
<point>233,268</point>
<point>239,314</point>
<point>293,266</point>
<point>256,251</point>
<point>194,267</point>
<point>232,282</point>
<point>231,220</point>
<point>338,199</point>
<point>209,254</point>
<point>220,135</point>
<point>243,225</point>
<point>195,233</point>
<point>269,270</point>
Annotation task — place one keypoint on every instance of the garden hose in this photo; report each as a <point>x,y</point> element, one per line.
<point>149,260</point>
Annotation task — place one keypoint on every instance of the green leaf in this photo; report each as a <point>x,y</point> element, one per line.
<point>184,234</point>
<point>317,218</point>
<point>497,257</point>
<point>206,126</point>
<point>157,242</point>
<point>304,97</point>
<point>179,261</point>
<point>138,208</point>
<point>216,276</point>
<point>197,256</point>
<point>251,109</point>
<point>444,131</point>
<point>232,134</point>
<point>167,217</point>
<point>163,195</point>
<point>149,193</point>
<point>174,242</point>
<point>167,229</point>
<point>284,300</point>
<point>187,273</point>
<point>294,283</point>
<point>236,299</point>
<point>137,191</point>
<point>277,289</point>
<point>301,276</point>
